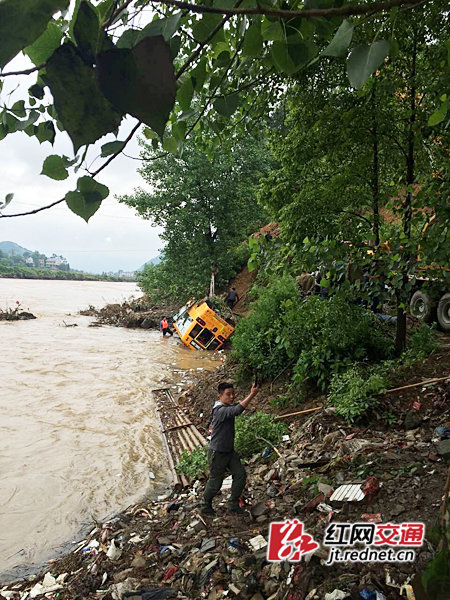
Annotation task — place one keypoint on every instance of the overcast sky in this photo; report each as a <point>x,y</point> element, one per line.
<point>113,239</point>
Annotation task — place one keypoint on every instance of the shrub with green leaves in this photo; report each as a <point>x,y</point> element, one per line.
<point>193,464</point>
<point>256,432</point>
<point>320,337</point>
<point>424,340</point>
<point>253,434</point>
<point>354,392</point>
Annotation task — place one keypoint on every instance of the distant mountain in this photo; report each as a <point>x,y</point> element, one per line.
<point>153,261</point>
<point>12,248</point>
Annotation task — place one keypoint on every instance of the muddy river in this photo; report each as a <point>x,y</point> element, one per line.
<point>78,431</point>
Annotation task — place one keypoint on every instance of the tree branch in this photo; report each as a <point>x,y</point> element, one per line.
<point>33,212</point>
<point>113,156</point>
<point>344,11</point>
<point>26,72</point>
<point>201,44</point>
<point>104,165</point>
<point>350,212</point>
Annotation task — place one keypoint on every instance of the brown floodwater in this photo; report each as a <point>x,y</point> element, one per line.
<point>79,437</point>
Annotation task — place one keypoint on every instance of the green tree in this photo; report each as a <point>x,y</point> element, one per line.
<point>345,157</point>
<point>222,66</point>
<point>207,207</point>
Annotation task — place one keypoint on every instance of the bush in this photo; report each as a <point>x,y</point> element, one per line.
<point>354,393</point>
<point>253,434</point>
<point>256,342</point>
<point>320,337</point>
<point>424,340</point>
<point>193,464</point>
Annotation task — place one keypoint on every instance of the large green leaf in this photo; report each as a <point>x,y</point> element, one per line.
<point>112,148</point>
<point>253,41</point>
<point>45,132</point>
<point>272,30</point>
<point>170,145</point>
<point>77,204</point>
<point>18,109</point>
<point>86,31</point>
<point>22,22</point>
<point>140,81</point>
<point>227,105</point>
<point>164,27</point>
<point>205,26</point>
<point>199,75</point>
<point>185,94</point>
<point>86,200</point>
<point>301,53</point>
<point>364,61</point>
<point>282,58</point>
<point>341,41</point>
<point>439,115</point>
<point>55,167</point>
<point>45,45</point>
<point>82,109</point>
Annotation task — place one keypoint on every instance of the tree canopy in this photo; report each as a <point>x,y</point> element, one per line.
<point>183,70</point>
<point>207,207</point>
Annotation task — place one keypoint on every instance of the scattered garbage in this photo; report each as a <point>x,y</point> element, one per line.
<point>443,432</point>
<point>350,492</point>
<point>164,547</point>
<point>258,542</point>
<point>372,517</point>
<point>337,595</point>
<point>114,552</point>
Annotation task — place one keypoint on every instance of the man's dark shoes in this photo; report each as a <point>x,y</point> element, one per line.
<point>207,509</point>
<point>236,510</point>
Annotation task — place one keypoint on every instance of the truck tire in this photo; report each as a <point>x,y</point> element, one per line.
<point>422,307</point>
<point>443,313</point>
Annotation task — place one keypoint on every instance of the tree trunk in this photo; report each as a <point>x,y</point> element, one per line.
<point>400,340</point>
<point>375,174</point>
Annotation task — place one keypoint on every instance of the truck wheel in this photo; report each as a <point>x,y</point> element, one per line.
<point>422,307</point>
<point>443,312</point>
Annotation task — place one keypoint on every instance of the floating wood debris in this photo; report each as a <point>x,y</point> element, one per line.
<point>178,432</point>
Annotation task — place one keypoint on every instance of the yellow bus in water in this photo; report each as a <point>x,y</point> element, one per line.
<point>200,327</point>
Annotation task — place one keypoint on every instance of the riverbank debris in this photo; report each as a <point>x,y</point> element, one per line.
<point>178,433</point>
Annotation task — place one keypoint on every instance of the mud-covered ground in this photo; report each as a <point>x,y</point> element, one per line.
<point>167,543</point>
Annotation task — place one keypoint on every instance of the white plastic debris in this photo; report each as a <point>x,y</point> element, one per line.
<point>285,438</point>
<point>258,542</point>
<point>151,475</point>
<point>336,595</point>
<point>6,593</point>
<point>227,483</point>
<point>114,553</point>
<point>48,585</point>
<point>349,491</point>
<point>311,594</point>
<point>105,577</point>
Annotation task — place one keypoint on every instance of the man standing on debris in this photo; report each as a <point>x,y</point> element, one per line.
<point>164,327</point>
<point>232,298</point>
<point>221,453</point>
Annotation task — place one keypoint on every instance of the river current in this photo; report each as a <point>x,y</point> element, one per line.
<point>79,437</point>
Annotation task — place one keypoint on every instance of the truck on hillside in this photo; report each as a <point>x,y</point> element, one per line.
<point>202,325</point>
<point>430,300</point>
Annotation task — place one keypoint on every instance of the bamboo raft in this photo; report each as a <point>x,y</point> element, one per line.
<point>177,431</point>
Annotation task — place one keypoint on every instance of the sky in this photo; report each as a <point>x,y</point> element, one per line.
<point>114,239</point>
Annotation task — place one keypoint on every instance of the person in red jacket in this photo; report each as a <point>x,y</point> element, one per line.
<point>164,327</point>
